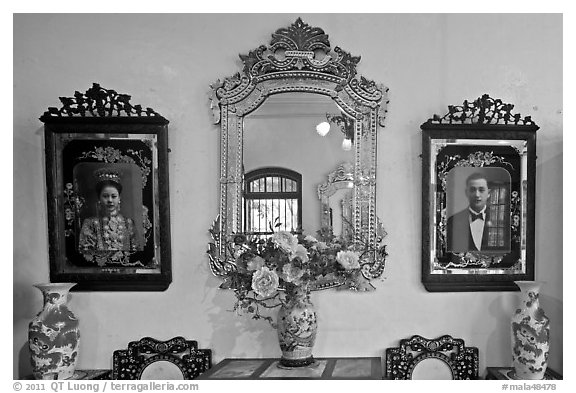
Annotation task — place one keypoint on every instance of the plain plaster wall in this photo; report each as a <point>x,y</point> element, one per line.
<point>168,61</point>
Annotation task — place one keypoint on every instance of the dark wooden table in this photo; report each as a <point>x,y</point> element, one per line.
<point>323,368</point>
<point>508,373</point>
<point>84,374</point>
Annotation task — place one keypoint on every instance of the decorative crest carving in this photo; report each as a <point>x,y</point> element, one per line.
<point>299,52</point>
<point>100,103</point>
<point>300,47</point>
<point>343,173</point>
<point>300,36</point>
<point>483,110</point>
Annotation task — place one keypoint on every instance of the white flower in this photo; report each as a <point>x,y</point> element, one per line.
<point>265,282</point>
<point>292,274</point>
<point>299,252</point>
<point>310,238</point>
<point>348,259</point>
<point>255,263</point>
<point>285,240</point>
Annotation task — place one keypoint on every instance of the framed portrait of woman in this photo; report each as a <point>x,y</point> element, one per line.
<point>107,188</point>
<point>478,182</point>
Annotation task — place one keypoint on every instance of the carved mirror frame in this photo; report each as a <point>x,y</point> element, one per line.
<point>299,58</point>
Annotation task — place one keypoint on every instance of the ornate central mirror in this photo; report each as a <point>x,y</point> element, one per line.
<point>298,148</point>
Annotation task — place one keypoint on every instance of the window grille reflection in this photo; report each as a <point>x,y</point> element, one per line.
<point>272,196</point>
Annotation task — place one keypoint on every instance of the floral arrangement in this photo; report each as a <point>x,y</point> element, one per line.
<point>270,272</point>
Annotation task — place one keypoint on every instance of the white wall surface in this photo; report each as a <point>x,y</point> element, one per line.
<point>168,61</point>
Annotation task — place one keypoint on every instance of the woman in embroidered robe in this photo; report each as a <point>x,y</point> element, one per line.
<point>110,231</point>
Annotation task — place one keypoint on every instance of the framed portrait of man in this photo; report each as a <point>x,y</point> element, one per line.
<point>478,165</point>
<point>107,187</point>
<point>478,210</point>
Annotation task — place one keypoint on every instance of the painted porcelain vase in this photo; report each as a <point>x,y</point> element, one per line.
<point>53,335</point>
<point>297,325</point>
<point>530,334</point>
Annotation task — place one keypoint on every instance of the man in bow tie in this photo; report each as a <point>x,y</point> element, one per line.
<point>467,230</point>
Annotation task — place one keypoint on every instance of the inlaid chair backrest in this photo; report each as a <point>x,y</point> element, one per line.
<point>446,356</point>
<point>149,358</point>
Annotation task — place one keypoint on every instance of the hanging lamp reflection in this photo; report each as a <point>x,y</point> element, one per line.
<point>323,128</point>
<point>346,125</point>
<point>346,144</point>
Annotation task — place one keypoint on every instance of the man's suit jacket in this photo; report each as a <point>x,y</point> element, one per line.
<point>459,234</point>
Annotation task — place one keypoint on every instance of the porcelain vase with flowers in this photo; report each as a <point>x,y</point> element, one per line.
<point>297,325</point>
<point>279,272</point>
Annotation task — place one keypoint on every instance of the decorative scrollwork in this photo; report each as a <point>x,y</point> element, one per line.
<point>98,102</point>
<point>300,37</point>
<point>483,110</point>
<point>376,255</point>
<point>343,173</point>
<point>151,345</point>
<point>218,266</point>
<point>462,361</point>
<point>300,47</point>
<point>304,52</point>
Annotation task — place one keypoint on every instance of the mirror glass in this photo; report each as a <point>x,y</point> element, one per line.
<point>432,368</point>
<point>282,132</point>
<point>162,370</point>
<point>337,201</point>
<point>339,212</point>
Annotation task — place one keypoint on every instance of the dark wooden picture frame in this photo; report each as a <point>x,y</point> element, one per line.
<point>99,142</point>
<point>479,140</point>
